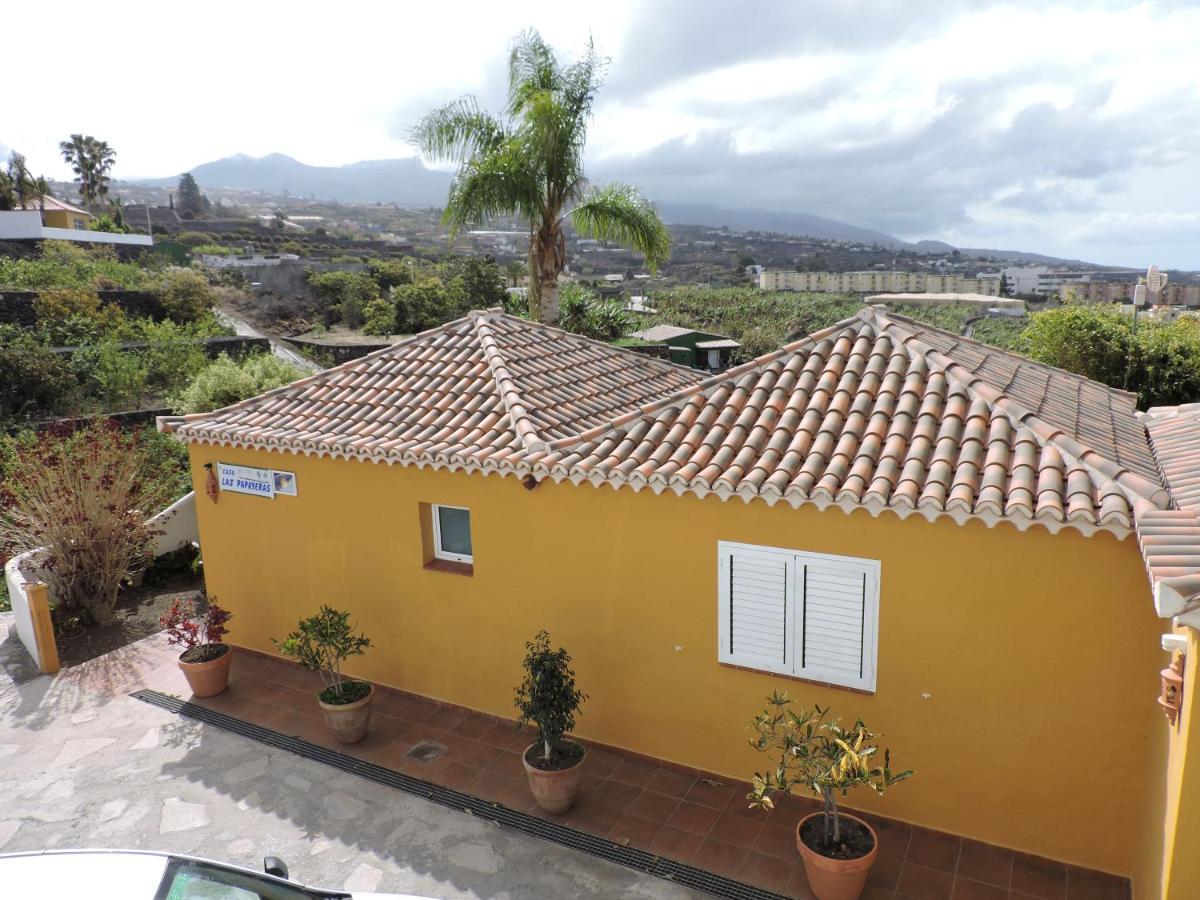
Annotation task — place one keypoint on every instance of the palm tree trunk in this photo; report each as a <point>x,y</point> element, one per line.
<point>548,312</point>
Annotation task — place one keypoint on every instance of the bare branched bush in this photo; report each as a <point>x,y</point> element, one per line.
<point>84,497</point>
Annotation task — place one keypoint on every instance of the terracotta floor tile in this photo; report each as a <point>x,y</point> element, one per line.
<point>715,794</point>
<point>474,727</point>
<point>893,836</point>
<point>601,762</point>
<point>778,842</point>
<point>616,795</point>
<point>693,817</point>
<point>1041,878</point>
<point>676,844</point>
<point>885,872</point>
<point>592,818</point>
<point>409,708</point>
<point>506,761</point>
<point>493,786</point>
<point>798,886</point>
<point>923,883</point>
<point>472,753</point>
<point>736,830</point>
<point>651,805</point>
<point>500,735</point>
<point>452,774</point>
<point>873,892</point>
<point>635,771</point>
<point>634,831</point>
<point>765,871</point>
<point>934,849</point>
<point>1087,885</point>
<point>717,856</point>
<point>967,889</point>
<point>671,782</point>
<point>443,718</point>
<point>983,862</point>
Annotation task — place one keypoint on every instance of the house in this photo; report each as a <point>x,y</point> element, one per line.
<point>60,214</point>
<point>690,347</point>
<point>59,221</point>
<point>971,551</point>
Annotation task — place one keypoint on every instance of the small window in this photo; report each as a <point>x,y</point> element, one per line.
<point>452,534</point>
<point>808,615</point>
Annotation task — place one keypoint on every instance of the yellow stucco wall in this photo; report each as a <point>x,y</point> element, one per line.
<point>61,218</point>
<point>1039,653</point>
<point>1170,867</point>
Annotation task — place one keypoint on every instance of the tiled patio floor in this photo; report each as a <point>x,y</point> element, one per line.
<point>672,812</point>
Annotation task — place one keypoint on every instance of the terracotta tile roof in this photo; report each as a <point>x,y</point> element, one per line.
<point>472,392</point>
<point>53,203</point>
<point>883,412</point>
<point>1170,539</point>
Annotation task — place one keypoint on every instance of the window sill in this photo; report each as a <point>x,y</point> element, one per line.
<point>812,681</point>
<point>449,567</point>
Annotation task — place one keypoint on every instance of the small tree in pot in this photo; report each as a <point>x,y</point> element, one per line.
<point>323,643</point>
<point>816,752</point>
<point>205,658</point>
<point>549,699</point>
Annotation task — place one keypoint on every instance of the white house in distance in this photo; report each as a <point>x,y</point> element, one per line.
<point>56,220</point>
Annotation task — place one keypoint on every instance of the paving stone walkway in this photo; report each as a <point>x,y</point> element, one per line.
<point>86,767</point>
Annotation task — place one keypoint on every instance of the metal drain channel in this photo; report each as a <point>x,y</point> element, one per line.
<point>602,848</point>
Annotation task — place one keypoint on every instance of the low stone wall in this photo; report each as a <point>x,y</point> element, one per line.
<point>234,345</point>
<point>16,307</point>
<point>133,418</point>
<point>336,353</point>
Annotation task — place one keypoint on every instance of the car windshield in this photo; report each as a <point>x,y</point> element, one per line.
<point>187,879</point>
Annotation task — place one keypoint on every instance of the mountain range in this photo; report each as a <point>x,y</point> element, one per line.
<point>409,183</point>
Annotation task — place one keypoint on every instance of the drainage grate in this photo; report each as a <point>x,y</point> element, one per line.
<point>426,750</point>
<point>602,848</point>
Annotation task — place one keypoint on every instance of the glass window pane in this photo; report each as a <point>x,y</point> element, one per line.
<point>454,528</point>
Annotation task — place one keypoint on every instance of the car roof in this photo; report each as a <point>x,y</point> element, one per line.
<point>95,874</point>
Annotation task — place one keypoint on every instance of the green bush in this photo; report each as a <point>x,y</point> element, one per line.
<point>379,317</point>
<point>63,264</point>
<point>582,312</point>
<point>1160,362</point>
<point>343,295</point>
<point>186,294</point>
<point>35,383</point>
<point>193,238</point>
<point>71,316</point>
<point>225,381</point>
<point>388,273</point>
<point>428,302</point>
<point>114,378</point>
<point>213,250</point>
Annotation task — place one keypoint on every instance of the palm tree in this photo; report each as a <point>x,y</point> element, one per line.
<point>91,160</point>
<point>529,162</point>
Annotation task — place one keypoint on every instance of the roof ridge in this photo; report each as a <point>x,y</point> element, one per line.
<point>1135,486</point>
<point>510,394</point>
<point>170,423</point>
<point>682,395</point>
<point>881,310</point>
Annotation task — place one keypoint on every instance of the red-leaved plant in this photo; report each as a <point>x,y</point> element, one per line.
<point>83,498</point>
<point>200,636</point>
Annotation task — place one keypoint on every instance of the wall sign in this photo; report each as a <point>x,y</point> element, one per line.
<point>285,482</point>
<point>246,480</point>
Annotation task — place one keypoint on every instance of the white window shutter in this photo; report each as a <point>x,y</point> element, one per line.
<point>756,607</point>
<point>836,621</point>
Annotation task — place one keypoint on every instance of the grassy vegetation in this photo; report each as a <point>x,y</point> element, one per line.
<point>65,265</point>
<point>763,321</point>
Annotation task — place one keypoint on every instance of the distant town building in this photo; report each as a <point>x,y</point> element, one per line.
<point>1181,295</point>
<point>874,282</point>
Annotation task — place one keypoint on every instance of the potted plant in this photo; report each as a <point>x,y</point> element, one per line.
<point>323,642</point>
<point>548,699</point>
<point>205,658</point>
<point>816,752</point>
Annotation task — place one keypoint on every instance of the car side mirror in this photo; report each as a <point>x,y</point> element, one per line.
<point>273,865</point>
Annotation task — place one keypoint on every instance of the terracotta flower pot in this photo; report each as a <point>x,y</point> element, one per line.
<point>207,679</point>
<point>554,790</point>
<point>348,721</point>
<point>836,879</point>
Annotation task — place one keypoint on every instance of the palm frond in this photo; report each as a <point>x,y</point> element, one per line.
<point>532,69</point>
<point>495,183</point>
<point>618,213</point>
<point>458,131</point>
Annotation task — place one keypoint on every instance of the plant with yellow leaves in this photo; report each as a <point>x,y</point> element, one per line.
<point>816,752</point>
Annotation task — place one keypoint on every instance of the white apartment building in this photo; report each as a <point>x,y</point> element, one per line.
<point>878,283</point>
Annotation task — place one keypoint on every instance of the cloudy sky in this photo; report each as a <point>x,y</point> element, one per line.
<point>1063,128</point>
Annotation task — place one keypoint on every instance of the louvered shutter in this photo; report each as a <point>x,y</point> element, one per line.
<point>836,620</point>
<point>756,607</point>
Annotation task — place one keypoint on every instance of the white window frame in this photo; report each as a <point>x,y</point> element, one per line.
<point>438,552</point>
<point>795,560</point>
